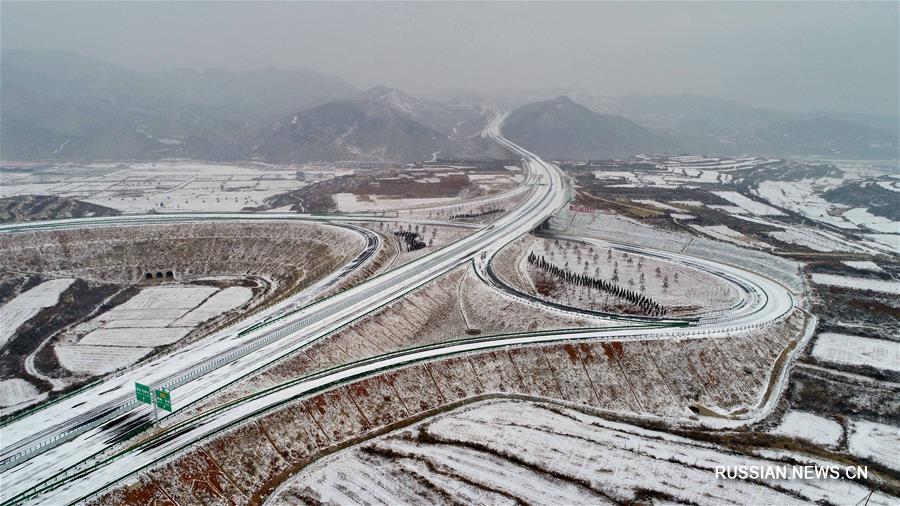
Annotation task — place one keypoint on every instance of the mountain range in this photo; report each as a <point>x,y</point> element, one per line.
<point>61,106</point>
<point>724,127</point>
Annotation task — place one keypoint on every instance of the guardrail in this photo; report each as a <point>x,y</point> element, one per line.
<point>67,435</point>
<point>242,351</point>
<point>559,334</point>
<point>194,373</point>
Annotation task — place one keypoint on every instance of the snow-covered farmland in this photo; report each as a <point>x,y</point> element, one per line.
<point>862,217</point>
<point>157,316</point>
<point>748,204</point>
<point>723,233</point>
<point>728,374</point>
<point>98,359</point>
<point>514,451</point>
<point>815,240</point>
<point>863,265</point>
<point>166,186</point>
<point>803,198</point>
<point>16,391</point>
<point>875,441</point>
<point>19,310</point>
<point>892,287</point>
<point>221,302</point>
<point>810,427</point>
<point>353,203</point>
<point>857,350</point>
<point>891,241</point>
<point>659,205</point>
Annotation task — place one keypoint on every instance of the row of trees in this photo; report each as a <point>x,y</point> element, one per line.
<point>411,239</point>
<point>646,304</point>
<point>470,215</point>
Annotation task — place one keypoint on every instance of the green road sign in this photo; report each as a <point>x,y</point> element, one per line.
<point>142,392</point>
<point>164,400</point>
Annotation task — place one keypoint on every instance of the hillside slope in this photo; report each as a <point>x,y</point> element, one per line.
<point>561,128</point>
<point>381,124</point>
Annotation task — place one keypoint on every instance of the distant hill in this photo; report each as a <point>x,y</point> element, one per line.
<point>255,97</point>
<point>382,124</point>
<point>59,105</point>
<point>718,126</point>
<point>48,207</point>
<point>563,129</point>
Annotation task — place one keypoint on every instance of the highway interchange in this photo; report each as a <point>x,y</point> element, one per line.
<point>61,439</point>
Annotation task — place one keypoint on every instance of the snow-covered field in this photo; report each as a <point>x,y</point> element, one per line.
<point>810,427</point>
<point>499,452</point>
<point>670,284</point>
<point>157,316</point>
<point>864,265</point>
<point>748,204</point>
<point>94,360</point>
<point>16,391</point>
<point>892,241</point>
<point>659,205</point>
<point>674,172</point>
<point>165,186</point>
<point>816,240</point>
<point>619,229</point>
<point>19,310</point>
<point>862,217</point>
<point>723,233</point>
<point>803,198</point>
<point>857,350</point>
<point>892,287</point>
<point>219,303</point>
<point>352,203</point>
<point>875,441</point>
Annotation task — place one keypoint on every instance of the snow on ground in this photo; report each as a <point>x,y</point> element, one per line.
<point>689,203</point>
<point>812,238</point>
<point>16,391</point>
<point>723,233</point>
<point>803,197</point>
<point>857,350</point>
<point>353,203</point>
<point>521,452</point>
<point>875,441</point>
<point>617,228</point>
<point>810,427</point>
<point>19,310</point>
<point>134,336</point>
<point>166,186</point>
<point>219,303</point>
<point>98,359</point>
<point>688,288</point>
<point>729,209</point>
<point>157,316</point>
<point>750,205</point>
<point>658,205</point>
<point>890,240</point>
<point>862,217</point>
<point>892,287</point>
<point>864,265</point>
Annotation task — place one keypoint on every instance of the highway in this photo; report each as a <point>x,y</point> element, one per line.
<point>214,362</point>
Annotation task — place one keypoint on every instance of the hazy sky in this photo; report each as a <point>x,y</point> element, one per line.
<point>797,56</point>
